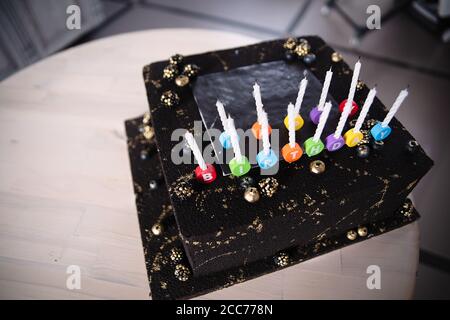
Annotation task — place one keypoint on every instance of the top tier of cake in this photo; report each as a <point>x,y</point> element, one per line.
<point>219,227</point>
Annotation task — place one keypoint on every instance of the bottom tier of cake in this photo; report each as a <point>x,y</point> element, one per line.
<point>169,273</point>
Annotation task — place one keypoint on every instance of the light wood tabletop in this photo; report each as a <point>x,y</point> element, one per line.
<point>66,195</point>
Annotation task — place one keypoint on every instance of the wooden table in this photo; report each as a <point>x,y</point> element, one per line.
<point>66,195</point>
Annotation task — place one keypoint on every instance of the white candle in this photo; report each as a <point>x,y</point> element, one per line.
<point>365,109</point>
<point>291,119</point>
<point>348,104</point>
<point>234,139</point>
<point>222,114</point>
<point>258,101</point>
<point>398,102</point>
<point>351,92</point>
<point>322,121</point>
<point>326,86</point>
<point>195,150</point>
<point>300,95</point>
<point>265,133</point>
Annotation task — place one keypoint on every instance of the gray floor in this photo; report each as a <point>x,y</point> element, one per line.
<point>400,53</point>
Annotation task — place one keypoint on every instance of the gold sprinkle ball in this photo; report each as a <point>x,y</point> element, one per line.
<point>290,44</point>
<point>268,186</point>
<point>317,166</point>
<point>281,259</point>
<point>157,229</point>
<point>191,70</point>
<point>176,255</point>
<point>170,72</point>
<point>336,57</point>
<point>176,59</point>
<point>362,231</point>
<point>251,194</point>
<point>352,235</point>
<point>170,98</point>
<point>148,133</point>
<point>182,80</point>
<point>182,272</point>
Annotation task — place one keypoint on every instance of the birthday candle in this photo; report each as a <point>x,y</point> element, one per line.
<point>324,93</point>
<point>314,114</point>
<point>322,121</point>
<point>205,173</point>
<point>239,165</point>
<point>224,137</point>
<point>398,102</point>
<point>298,103</point>
<point>351,92</point>
<point>195,150</point>
<point>265,133</point>
<point>266,158</point>
<point>349,104</point>
<point>291,115</point>
<point>314,145</point>
<point>381,130</point>
<point>353,136</point>
<point>300,95</point>
<point>256,127</point>
<point>222,114</point>
<point>292,151</point>
<point>258,101</point>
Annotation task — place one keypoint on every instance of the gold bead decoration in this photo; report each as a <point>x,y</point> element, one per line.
<point>317,166</point>
<point>170,72</point>
<point>176,59</point>
<point>191,70</point>
<point>157,229</point>
<point>170,98</point>
<point>302,49</point>
<point>148,133</point>
<point>352,235</point>
<point>251,194</point>
<point>268,186</point>
<point>176,255</point>
<point>336,57</point>
<point>146,118</point>
<point>182,272</point>
<point>362,231</point>
<point>290,44</point>
<point>359,85</point>
<point>281,259</point>
<point>182,80</point>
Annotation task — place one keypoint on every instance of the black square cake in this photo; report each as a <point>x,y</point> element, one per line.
<point>200,237</point>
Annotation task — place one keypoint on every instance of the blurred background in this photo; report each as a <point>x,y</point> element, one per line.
<point>410,47</point>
